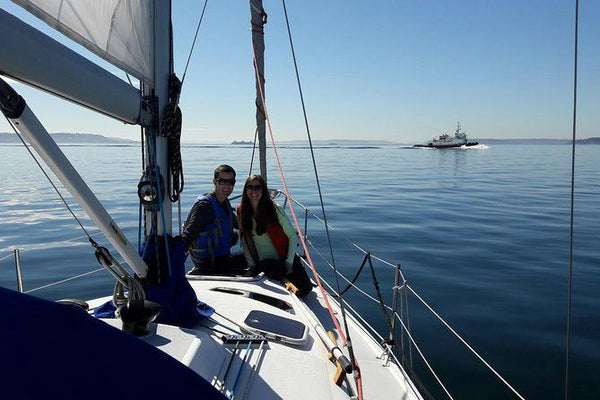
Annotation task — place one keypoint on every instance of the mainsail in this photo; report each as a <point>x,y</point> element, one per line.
<point>119,31</point>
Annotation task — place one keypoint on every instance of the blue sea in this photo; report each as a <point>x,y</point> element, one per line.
<point>482,235</point>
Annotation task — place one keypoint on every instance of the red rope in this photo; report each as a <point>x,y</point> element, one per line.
<point>295,219</point>
<point>300,234</point>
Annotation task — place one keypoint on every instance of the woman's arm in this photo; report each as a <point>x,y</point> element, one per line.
<point>246,251</point>
<point>289,232</point>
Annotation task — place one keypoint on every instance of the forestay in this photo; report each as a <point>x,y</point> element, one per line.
<point>119,31</point>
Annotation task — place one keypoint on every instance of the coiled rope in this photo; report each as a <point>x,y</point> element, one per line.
<point>171,128</point>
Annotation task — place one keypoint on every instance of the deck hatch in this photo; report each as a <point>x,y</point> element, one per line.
<point>286,329</point>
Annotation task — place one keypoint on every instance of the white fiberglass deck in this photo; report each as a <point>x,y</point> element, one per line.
<point>275,369</point>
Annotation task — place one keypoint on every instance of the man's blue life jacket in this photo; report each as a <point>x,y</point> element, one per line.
<point>215,239</point>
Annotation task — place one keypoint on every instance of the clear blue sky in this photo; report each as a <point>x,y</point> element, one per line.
<point>393,70</point>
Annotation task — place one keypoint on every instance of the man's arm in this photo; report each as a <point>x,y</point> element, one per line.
<point>200,215</point>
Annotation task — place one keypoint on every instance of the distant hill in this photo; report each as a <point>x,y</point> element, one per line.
<point>592,140</point>
<point>340,142</point>
<point>75,138</point>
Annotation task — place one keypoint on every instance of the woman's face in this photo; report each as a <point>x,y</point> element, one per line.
<point>253,190</point>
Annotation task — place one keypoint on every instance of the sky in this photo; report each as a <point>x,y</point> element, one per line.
<point>402,71</point>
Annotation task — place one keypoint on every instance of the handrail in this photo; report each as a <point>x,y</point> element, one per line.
<point>6,256</point>
<point>13,253</point>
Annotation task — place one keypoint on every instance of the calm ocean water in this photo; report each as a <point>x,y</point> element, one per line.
<point>482,235</point>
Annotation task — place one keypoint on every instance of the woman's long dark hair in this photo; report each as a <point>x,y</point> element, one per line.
<point>265,212</point>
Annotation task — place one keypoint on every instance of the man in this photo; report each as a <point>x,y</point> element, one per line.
<point>208,233</point>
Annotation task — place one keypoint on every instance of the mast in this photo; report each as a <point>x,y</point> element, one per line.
<point>258,21</point>
<point>156,144</point>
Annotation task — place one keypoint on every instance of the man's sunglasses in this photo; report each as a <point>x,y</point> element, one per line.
<point>223,181</point>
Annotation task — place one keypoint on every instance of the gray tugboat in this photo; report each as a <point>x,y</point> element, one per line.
<point>446,141</point>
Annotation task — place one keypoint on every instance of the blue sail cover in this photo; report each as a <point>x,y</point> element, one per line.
<point>171,289</point>
<point>180,306</point>
<point>52,350</point>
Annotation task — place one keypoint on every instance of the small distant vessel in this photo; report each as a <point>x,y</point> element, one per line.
<point>242,142</point>
<point>446,141</point>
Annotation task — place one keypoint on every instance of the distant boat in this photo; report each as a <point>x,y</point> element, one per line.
<point>446,141</point>
<point>241,142</point>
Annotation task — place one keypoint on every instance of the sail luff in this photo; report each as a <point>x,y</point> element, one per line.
<point>258,20</point>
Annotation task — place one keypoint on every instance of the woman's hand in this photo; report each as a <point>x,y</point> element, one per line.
<point>288,268</point>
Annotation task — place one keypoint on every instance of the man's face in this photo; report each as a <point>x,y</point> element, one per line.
<point>224,185</point>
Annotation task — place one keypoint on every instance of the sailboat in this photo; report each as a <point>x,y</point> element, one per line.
<point>172,334</point>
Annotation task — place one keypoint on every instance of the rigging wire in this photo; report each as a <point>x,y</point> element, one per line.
<point>574,136</point>
<point>103,255</point>
<point>194,42</point>
<point>341,298</point>
<point>60,282</point>
<point>49,179</point>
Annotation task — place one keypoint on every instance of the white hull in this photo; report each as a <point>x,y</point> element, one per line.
<point>276,370</point>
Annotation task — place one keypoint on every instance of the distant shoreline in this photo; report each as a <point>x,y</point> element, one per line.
<point>88,138</point>
<point>70,138</point>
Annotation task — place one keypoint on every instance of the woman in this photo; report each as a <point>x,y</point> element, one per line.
<point>268,239</point>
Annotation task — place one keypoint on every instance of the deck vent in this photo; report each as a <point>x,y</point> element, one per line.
<point>272,301</point>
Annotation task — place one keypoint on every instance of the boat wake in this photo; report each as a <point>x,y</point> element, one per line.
<point>479,146</point>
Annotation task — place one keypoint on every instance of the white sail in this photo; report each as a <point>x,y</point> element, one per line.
<point>119,31</point>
